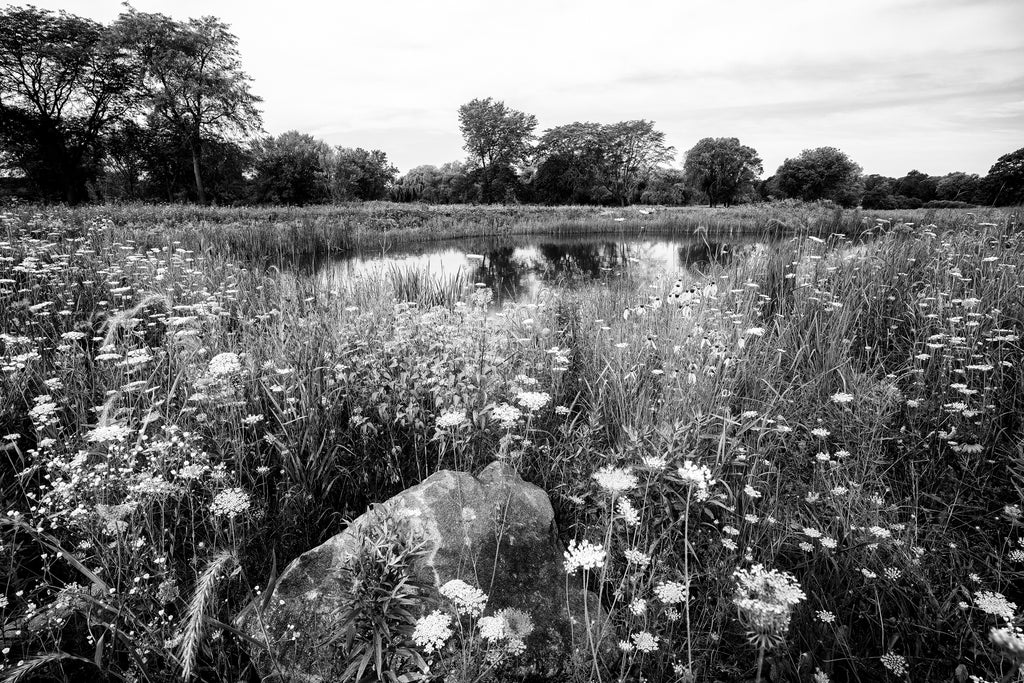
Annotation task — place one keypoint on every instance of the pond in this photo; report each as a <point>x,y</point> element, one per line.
<point>517,269</point>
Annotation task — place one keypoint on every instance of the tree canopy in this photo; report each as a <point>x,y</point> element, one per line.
<point>192,78</point>
<point>820,173</point>
<point>722,169</point>
<point>63,80</point>
<point>494,133</point>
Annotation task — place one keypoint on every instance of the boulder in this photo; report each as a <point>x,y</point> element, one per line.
<point>493,531</point>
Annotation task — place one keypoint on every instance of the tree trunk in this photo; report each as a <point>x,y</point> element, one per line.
<point>197,153</point>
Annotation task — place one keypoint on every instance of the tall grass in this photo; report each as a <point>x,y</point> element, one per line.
<point>846,411</point>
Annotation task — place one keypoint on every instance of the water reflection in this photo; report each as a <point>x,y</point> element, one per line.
<point>518,269</point>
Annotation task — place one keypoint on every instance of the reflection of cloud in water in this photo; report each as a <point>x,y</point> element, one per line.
<point>518,270</point>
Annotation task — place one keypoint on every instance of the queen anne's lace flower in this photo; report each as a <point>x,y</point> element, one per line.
<point>671,592</point>
<point>645,642</point>
<point>765,599</point>
<point>224,364</point>
<point>615,479</point>
<point>230,503</point>
<point>584,555</point>
<point>634,556</point>
<point>533,400</point>
<point>995,604</point>
<point>468,600</point>
<point>449,420</point>
<point>432,631</point>
<point>628,513</point>
<point>506,414</point>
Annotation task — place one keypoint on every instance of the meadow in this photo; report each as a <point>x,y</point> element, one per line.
<point>810,467</point>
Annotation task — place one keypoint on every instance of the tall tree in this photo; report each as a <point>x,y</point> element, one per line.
<point>820,173</point>
<point>358,174</point>
<point>63,82</point>
<point>632,150</point>
<point>291,169</point>
<point>494,133</point>
<point>1005,180</point>
<point>722,169</point>
<point>594,162</point>
<point>193,79</point>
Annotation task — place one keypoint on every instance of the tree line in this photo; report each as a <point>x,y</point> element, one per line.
<point>154,109</point>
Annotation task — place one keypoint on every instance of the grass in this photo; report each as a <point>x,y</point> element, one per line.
<point>847,412</point>
<point>275,235</point>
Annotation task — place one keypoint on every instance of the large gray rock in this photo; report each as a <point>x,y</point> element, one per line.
<point>494,531</point>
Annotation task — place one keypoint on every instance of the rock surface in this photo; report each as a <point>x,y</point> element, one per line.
<point>494,531</point>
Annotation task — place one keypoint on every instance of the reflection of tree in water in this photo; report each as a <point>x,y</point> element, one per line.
<point>699,257</point>
<point>581,259</point>
<point>500,271</point>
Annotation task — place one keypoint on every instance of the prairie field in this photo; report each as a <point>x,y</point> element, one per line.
<point>805,464</point>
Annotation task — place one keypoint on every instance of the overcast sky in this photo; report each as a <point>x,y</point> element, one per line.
<point>936,85</point>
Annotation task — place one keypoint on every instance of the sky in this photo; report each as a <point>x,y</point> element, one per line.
<point>932,85</point>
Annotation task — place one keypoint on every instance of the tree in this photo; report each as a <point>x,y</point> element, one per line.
<point>63,83</point>
<point>1005,179</point>
<point>722,169</point>
<point>358,174</point>
<point>192,78</point>
<point>666,186</point>
<point>495,134</point>
<point>291,169</point>
<point>959,187</point>
<point>917,185</point>
<point>632,150</point>
<point>820,173</point>
<point>591,162</point>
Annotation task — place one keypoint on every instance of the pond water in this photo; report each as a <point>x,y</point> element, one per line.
<point>516,269</point>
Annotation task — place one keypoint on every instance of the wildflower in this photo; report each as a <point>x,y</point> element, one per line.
<point>533,400</point>
<point>250,420</point>
<point>452,419</point>
<point>468,600</point>
<point>697,476</point>
<point>628,513</point>
<point>811,533</point>
<point>506,414</point>
<point>995,604</point>
<point>821,677</point>
<point>492,628</point>
<point>895,663</point>
<point>827,542</point>
<point>615,479</point>
<point>825,617</point>
<point>765,599</point>
<point>1009,639</point>
<point>645,642</point>
<point>805,546</point>
<point>820,432</point>
<point>868,574</point>
<point>671,592</point>
<point>224,364</point>
<point>655,462</point>
<point>432,631</point>
<point>729,543</point>
<point>892,573</point>
<point>107,433</point>
<point>230,503</point>
<point>842,397</point>
<point>584,555</point>
<point>634,556</point>
<point>638,606</point>
<point>626,646</point>
<point>751,491</point>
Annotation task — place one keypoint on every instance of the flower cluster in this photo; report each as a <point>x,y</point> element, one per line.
<point>224,364</point>
<point>432,631</point>
<point>451,419</point>
<point>697,476</point>
<point>468,600</point>
<point>671,592</point>
<point>615,479</point>
<point>765,600</point>
<point>584,555</point>
<point>995,604</point>
<point>230,503</point>
<point>533,400</point>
